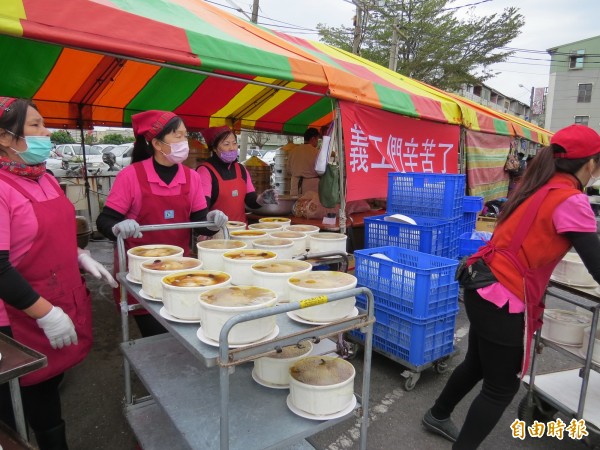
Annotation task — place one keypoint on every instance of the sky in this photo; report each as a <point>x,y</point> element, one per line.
<point>548,23</point>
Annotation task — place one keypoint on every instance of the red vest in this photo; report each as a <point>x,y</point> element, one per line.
<point>232,194</point>
<point>525,249</point>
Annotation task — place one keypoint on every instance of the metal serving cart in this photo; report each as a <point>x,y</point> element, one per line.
<point>574,392</point>
<point>192,404</point>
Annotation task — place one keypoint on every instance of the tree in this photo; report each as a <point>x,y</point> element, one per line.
<point>435,46</point>
<point>61,137</point>
<point>113,138</point>
<point>258,139</point>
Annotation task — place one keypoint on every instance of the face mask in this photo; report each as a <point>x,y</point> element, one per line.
<point>592,180</point>
<point>38,150</point>
<point>179,152</point>
<point>228,157</point>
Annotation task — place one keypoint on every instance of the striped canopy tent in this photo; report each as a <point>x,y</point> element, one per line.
<point>96,62</point>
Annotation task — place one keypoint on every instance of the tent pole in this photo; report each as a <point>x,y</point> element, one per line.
<point>85,174</point>
<point>339,140</point>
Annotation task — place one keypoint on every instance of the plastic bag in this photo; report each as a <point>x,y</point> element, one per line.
<point>329,186</point>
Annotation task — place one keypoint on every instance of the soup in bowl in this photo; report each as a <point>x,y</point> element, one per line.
<point>137,255</point>
<point>248,236</point>
<point>275,369</point>
<point>283,247</point>
<point>274,274</point>
<point>238,263</point>
<point>299,240</point>
<point>219,305</point>
<point>154,270</point>
<point>211,251</point>
<point>181,291</point>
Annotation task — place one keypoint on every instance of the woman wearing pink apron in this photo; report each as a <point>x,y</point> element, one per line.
<point>504,281</point>
<point>156,189</point>
<point>226,183</point>
<point>47,305</point>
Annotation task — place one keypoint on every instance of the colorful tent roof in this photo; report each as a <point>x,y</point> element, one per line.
<point>97,62</point>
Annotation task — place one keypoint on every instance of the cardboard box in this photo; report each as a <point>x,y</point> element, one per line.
<point>485,224</point>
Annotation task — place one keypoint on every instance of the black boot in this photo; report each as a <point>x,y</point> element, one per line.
<point>52,439</point>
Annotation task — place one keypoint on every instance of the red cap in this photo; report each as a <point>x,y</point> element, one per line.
<point>578,141</point>
<point>5,103</point>
<point>150,123</point>
<point>212,133</point>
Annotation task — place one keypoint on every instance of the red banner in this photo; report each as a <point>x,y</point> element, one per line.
<point>377,142</point>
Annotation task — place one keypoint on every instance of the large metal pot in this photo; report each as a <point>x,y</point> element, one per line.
<point>283,208</point>
<point>84,231</point>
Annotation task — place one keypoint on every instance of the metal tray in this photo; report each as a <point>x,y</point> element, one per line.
<point>18,359</point>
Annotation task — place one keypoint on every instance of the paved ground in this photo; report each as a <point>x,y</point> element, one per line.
<point>93,393</point>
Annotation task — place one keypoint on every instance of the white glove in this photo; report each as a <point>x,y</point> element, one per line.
<point>218,217</point>
<point>127,228</point>
<point>94,268</point>
<point>268,197</point>
<point>58,327</point>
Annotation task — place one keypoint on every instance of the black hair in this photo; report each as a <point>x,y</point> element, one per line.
<point>310,133</point>
<point>214,145</point>
<point>13,117</point>
<point>143,149</point>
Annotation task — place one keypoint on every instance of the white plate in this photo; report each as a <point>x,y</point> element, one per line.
<point>583,354</point>
<point>131,280</point>
<point>164,314</point>
<point>400,218</point>
<point>347,410</point>
<point>147,297</point>
<point>296,318</point>
<point>266,383</point>
<point>208,341</point>
<point>560,343</point>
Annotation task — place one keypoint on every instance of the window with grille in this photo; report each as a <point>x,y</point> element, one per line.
<point>582,120</point>
<point>585,93</point>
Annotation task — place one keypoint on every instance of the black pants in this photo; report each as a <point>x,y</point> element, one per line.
<point>41,402</point>
<point>494,354</point>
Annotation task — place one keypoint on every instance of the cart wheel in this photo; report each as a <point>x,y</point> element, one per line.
<point>353,350</point>
<point>441,367</point>
<point>411,381</point>
<point>539,410</point>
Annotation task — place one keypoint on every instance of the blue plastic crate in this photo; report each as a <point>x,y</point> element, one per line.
<point>468,246</point>
<point>412,283</point>
<point>416,341</point>
<point>434,236</point>
<point>472,204</point>
<point>468,223</point>
<point>426,194</point>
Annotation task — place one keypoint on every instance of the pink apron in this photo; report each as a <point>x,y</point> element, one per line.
<point>158,210</point>
<point>50,266</point>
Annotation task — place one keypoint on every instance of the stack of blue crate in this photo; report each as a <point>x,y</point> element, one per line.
<point>472,206</point>
<point>416,302</point>
<point>434,201</point>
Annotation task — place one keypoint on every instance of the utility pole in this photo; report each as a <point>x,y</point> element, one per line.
<point>394,48</point>
<point>254,12</point>
<point>357,29</point>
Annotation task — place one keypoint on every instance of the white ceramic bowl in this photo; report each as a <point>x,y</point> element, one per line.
<point>248,236</point>
<point>570,270</point>
<point>266,226</point>
<point>322,282</point>
<point>328,397</point>
<point>327,242</point>
<point>565,327</point>
<point>585,344</point>
<point>234,225</point>
<point>238,263</point>
<point>181,300</point>
<point>276,369</point>
<point>283,221</point>
<point>220,304</point>
<point>300,240</point>
<point>275,274</point>
<point>283,247</point>
<point>154,270</point>
<point>211,252</point>
<point>137,255</point>
<point>308,229</point>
